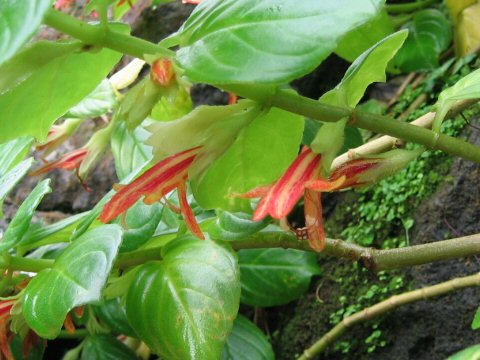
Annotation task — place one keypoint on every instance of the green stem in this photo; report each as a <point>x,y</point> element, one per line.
<point>25,264</point>
<point>292,102</point>
<point>408,7</point>
<point>101,36</point>
<point>373,259</point>
<point>78,334</point>
<point>386,306</point>
<point>137,257</point>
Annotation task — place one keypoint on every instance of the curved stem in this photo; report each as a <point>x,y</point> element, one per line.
<point>386,306</point>
<point>101,36</point>
<point>25,264</point>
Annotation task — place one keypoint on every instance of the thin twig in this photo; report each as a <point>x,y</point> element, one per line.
<point>386,306</point>
<point>408,79</point>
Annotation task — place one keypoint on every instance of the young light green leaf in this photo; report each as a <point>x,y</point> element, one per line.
<point>247,342</point>
<point>272,277</point>
<point>366,69</point>
<point>129,149</point>
<point>97,103</point>
<point>19,20</point>
<point>470,353</point>
<point>270,41</point>
<point>476,320</point>
<point>106,347</point>
<point>232,226</point>
<point>12,152</point>
<point>21,221</point>
<point>362,38</point>
<point>429,34</point>
<point>31,107</point>
<point>77,278</point>
<point>467,87</point>
<point>183,306</point>
<point>259,155</point>
<point>12,177</point>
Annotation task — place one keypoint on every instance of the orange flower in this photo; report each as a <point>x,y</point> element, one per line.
<point>69,161</point>
<point>162,72</point>
<point>169,174</point>
<point>63,4</point>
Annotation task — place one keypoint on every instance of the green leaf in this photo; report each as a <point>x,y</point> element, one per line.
<point>360,39</point>
<point>34,353</point>
<point>19,20</point>
<point>368,68</point>
<point>77,278</point>
<point>12,177</point>
<point>112,312</point>
<point>470,353</point>
<point>467,87</point>
<point>262,151</point>
<point>476,320</point>
<point>272,277</point>
<point>21,221</point>
<point>106,347</point>
<point>429,34</point>
<point>183,306</point>
<point>97,103</point>
<point>270,41</point>
<point>247,342</point>
<point>233,226</point>
<point>129,149</point>
<point>142,220</point>
<point>12,152</point>
<point>51,90</point>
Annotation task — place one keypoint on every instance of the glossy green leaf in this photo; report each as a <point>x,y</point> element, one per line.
<point>21,221</point>
<point>183,307</point>
<point>12,152</point>
<point>141,221</point>
<point>270,41</point>
<point>272,277</point>
<point>30,59</point>
<point>232,226</point>
<point>470,353</point>
<point>260,154</point>
<point>12,177</point>
<point>429,34</point>
<point>362,38</point>
<point>77,278</point>
<point>31,107</point>
<point>129,149</point>
<point>19,20</point>
<point>97,103</point>
<point>247,342</point>
<point>106,347</point>
<point>112,312</point>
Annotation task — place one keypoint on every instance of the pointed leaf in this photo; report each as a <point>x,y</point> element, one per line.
<point>270,41</point>
<point>183,307</point>
<point>106,347</point>
<point>260,154</point>
<point>470,353</point>
<point>21,221</point>
<point>247,342</point>
<point>77,278</point>
<point>272,277</point>
<point>12,177</point>
<point>51,90</point>
<point>12,152</point>
<point>19,20</point>
<point>429,34</point>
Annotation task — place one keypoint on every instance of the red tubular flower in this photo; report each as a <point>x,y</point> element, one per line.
<point>69,161</point>
<point>302,177</point>
<point>169,174</point>
<point>63,4</point>
<point>5,307</point>
<point>194,2</point>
